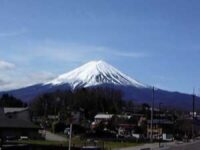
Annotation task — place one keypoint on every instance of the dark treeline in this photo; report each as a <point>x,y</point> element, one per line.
<point>90,101</point>
<point>7,100</point>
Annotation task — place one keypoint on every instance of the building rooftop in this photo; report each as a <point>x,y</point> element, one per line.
<point>14,109</point>
<point>103,116</point>
<point>6,122</point>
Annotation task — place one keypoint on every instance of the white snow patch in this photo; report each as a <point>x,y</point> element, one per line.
<point>94,73</point>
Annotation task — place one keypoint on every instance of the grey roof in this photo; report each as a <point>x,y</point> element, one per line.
<point>14,109</point>
<point>161,121</point>
<point>103,116</point>
<point>6,122</point>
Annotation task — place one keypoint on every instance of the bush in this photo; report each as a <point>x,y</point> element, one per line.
<point>58,126</point>
<point>77,129</point>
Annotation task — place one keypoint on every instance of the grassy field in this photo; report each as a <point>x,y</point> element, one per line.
<point>81,142</point>
<point>41,142</point>
<point>111,145</point>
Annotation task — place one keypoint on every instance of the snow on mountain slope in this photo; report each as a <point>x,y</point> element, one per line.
<point>99,73</point>
<point>95,73</point>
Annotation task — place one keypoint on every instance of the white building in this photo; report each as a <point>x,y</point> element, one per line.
<point>102,117</point>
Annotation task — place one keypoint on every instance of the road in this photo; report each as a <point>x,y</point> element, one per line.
<point>54,137</point>
<point>166,146</point>
<point>188,146</point>
<point>152,146</point>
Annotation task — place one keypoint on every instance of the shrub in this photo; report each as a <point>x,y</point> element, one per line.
<point>58,126</point>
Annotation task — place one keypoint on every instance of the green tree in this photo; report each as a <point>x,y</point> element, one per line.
<point>10,101</point>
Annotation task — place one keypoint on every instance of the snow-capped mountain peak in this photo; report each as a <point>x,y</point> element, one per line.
<point>94,73</point>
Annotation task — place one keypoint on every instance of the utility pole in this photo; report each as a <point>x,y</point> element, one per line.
<point>70,136</point>
<point>193,112</point>
<point>160,124</point>
<point>45,108</point>
<point>152,109</point>
<point>70,130</point>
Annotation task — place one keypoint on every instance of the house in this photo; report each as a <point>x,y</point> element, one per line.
<point>17,112</point>
<point>126,130</point>
<point>161,129</point>
<point>15,122</point>
<point>131,126</point>
<point>102,117</point>
<point>13,127</point>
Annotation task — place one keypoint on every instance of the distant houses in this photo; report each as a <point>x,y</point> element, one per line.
<point>137,126</point>
<point>162,129</point>
<point>16,122</point>
<point>122,125</point>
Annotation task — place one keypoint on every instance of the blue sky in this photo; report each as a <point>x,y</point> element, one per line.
<point>154,41</point>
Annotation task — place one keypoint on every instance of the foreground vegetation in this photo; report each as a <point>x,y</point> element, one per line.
<point>42,142</point>
<point>82,142</point>
<point>88,101</point>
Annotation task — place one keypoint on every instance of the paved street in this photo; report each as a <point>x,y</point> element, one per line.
<point>166,146</point>
<point>140,147</point>
<point>54,137</point>
<point>188,146</point>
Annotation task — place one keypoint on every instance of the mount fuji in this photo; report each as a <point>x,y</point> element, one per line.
<point>94,73</point>
<point>101,74</point>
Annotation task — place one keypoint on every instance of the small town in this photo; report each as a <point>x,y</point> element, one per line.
<point>99,75</point>
<point>135,126</point>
